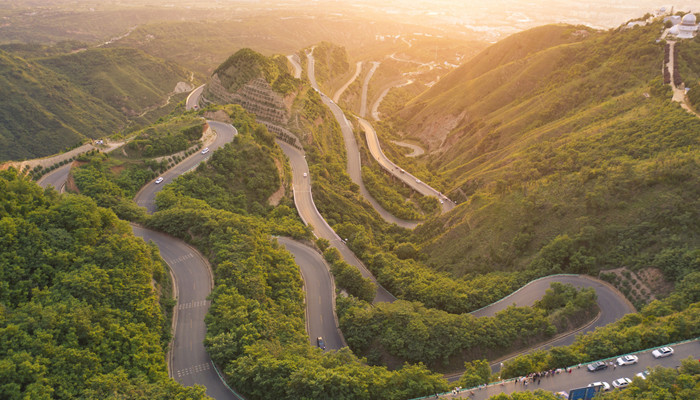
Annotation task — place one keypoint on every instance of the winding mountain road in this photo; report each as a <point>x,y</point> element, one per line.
<point>354,166</point>
<point>303,199</point>
<point>319,287</point>
<point>189,362</point>
<point>147,195</point>
<point>294,60</point>
<point>339,92</point>
<point>365,88</point>
<point>410,180</point>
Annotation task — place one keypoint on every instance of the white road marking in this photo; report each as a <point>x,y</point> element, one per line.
<point>193,370</point>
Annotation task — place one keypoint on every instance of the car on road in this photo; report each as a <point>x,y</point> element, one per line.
<point>662,352</point>
<point>196,107</point>
<point>321,344</point>
<point>627,360</point>
<point>622,383</point>
<point>205,150</point>
<point>417,180</point>
<point>643,374</point>
<point>305,174</point>
<point>597,366</point>
<point>442,202</point>
<point>604,386</point>
<point>159,180</point>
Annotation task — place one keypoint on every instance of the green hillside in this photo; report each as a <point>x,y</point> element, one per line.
<point>564,157</point>
<point>129,80</point>
<point>85,305</point>
<point>55,102</point>
<point>43,112</point>
<point>246,65</point>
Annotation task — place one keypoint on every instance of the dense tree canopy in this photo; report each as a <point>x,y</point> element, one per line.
<point>79,312</point>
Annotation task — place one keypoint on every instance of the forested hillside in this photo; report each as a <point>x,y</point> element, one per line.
<point>129,80</point>
<point>55,102</point>
<point>255,327</point>
<point>84,305</point>
<point>44,112</point>
<point>567,156</point>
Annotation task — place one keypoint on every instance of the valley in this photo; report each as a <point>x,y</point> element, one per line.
<point>296,248</point>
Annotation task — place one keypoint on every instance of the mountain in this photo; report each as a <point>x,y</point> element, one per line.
<point>566,154</point>
<point>55,102</point>
<point>44,112</point>
<point>262,85</point>
<point>129,80</point>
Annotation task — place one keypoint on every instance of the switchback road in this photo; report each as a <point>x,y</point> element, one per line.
<point>306,208</point>
<point>189,362</point>
<point>320,294</point>
<point>354,166</point>
<point>147,195</point>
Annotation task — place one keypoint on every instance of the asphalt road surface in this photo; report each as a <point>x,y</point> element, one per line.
<point>580,377</point>
<point>365,88</point>
<point>354,167</point>
<point>193,98</point>
<point>410,180</point>
<point>147,195</point>
<point>56,178</point>
<point>320,294</point>
<point>306,208</point>
<point>339,92</point>
<point>294,60</point>
<point>189,364</point>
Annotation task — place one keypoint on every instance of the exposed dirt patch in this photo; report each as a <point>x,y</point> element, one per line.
<point>70,185</point>
<point>117,169</point>
<point>434,131</point>
<point>654,279</point>
<point>220,116</point>
<point>279,194</point>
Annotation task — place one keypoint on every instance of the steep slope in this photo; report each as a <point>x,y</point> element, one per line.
<point>262,85</point>
<point>569,158</point>
<point>127,79</point>
<point>42,112</point>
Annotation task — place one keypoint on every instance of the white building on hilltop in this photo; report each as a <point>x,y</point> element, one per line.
<point>686,29</point>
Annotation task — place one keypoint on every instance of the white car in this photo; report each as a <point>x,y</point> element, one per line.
<point>159,180</point>
<point>205,150</point>
<point>604,386</point>
<point>627,360</point>
<point>643,374</point>
<point>304,174</point>
<point>622,383</point>
<point>662,352</point>
<point>417,180</point>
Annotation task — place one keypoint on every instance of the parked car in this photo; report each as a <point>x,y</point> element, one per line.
<point>643,374</point>
<point>604,386</point>
<point>597,366</point>
<point>627,360</point>
<point>159,180</point>
<point>622,383</point>
<point>205,150</point>
<point>662,352</point>
<point>305,175</point>
<point>321,344</point>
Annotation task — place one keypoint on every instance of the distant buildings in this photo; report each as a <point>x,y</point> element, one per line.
<point>683,28</point>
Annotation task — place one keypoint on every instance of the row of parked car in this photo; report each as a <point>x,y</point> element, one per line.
<point>629,359</point>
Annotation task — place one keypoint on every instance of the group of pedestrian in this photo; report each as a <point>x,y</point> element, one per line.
<point>536,377</point>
